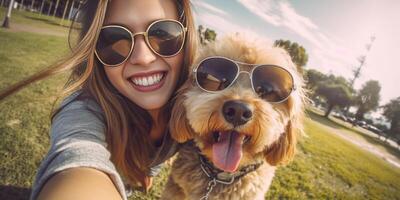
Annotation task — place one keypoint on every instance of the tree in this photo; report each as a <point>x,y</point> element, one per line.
<point>207,35</point>
<point>297,52</point>
<point>368,98</point>
<point>335,95</point>
<point>32,5</point>
<point>200,33</point>
<point>314,78</point>
<point>65,11</point>
<point>210,35</point>
<point>21,5</point>
<point>55,9</point>
<point>391,111</point>
<point>41,7</point>
<point>6,22</point>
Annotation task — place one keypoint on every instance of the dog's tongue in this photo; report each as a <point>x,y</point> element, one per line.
<point>228,151</point>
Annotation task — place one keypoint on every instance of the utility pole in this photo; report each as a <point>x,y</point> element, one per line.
<point>6,22</point>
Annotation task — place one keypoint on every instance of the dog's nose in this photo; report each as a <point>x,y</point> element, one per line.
<point>236,112</point>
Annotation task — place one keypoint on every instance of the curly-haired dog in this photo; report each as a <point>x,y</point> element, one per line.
<point>239,114</point>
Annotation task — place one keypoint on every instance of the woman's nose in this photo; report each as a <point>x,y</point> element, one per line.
<point>141,53</point>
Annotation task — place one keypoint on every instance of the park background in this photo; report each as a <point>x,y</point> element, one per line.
<point>351,148</point>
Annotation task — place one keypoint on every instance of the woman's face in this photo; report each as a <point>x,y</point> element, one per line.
<point>143,65</point>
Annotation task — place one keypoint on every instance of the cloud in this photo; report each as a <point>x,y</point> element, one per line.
<point>210,8</point>
<point>216,19</point>
<point>326,50</point>
<point>282,14</point>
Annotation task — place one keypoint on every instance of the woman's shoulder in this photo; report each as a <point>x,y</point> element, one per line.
<point>80,100</point>
<point>78,116</point>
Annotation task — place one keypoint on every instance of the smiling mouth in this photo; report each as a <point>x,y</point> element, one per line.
<point>148,83</point>
<point>148,80</point>
<point>227,149</point>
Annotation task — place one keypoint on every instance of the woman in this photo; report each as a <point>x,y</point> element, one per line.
<point>111,132</point>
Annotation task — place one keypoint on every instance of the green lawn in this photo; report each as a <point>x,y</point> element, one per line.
<point>326,167</point>
<point>24,117</point>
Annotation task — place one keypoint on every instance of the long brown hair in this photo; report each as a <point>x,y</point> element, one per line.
<point>127,125</point>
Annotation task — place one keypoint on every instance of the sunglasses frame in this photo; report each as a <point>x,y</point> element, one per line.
<point>146,37</point>
<point>237,63</point>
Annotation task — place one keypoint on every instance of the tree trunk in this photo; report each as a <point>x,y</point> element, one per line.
<point>41,7</point>
<point>70,10</point>
<point>329,110</point>
<point>55,9</point>
<point>6,22</point>
<point>22,5</point>
<point>360,113</point>
<point>51,4</point>
<point>65,11</point>
<point>33,4</point>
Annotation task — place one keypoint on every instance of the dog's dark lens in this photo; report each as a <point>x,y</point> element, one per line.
<point>166,37</point>
<point>216,74</point>
<point>272,83</point>
<point>113,45</point>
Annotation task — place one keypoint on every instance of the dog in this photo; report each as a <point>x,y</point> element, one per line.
<point>237,121</point>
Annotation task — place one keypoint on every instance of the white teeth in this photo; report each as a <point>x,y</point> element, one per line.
<point>148,80</point>
<point>151,80</point>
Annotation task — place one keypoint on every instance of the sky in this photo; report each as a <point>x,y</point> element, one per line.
<point>335,33</point>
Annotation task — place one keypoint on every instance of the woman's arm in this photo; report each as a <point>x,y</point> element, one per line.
<point>79,184</point>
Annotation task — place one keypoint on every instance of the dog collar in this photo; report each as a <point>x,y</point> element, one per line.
<point>225,177</point>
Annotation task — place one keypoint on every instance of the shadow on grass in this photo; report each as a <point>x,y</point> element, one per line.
<point>373,140</point>
<point>10,192</point>
<point>48,21</point>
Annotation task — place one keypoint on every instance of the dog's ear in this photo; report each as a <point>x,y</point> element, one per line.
<point>282,151</point>
<point>180,129</point>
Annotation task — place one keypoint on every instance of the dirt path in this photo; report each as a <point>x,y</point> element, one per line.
<point>33,29</point>
<point>364,144</point>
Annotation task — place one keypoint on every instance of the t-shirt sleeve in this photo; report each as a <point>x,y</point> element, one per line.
<point>77,140</point>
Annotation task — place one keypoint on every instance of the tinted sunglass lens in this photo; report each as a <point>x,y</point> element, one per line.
<point>272,83</point>
<point>166,37</point>
<point>216,74</point>
<point>113,45</point>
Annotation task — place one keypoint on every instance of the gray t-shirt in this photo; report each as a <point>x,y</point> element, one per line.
<point>78,140</point>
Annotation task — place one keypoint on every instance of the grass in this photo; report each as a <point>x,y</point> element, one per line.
<point>24,117</point>
<point>36,20</point>
<point>326,167</point>
<point>355,132</point>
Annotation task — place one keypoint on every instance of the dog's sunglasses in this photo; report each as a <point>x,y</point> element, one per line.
<point>115,44</point>
<point>271,82</point>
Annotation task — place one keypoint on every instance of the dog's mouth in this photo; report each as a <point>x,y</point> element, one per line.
<point>227,149</point>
